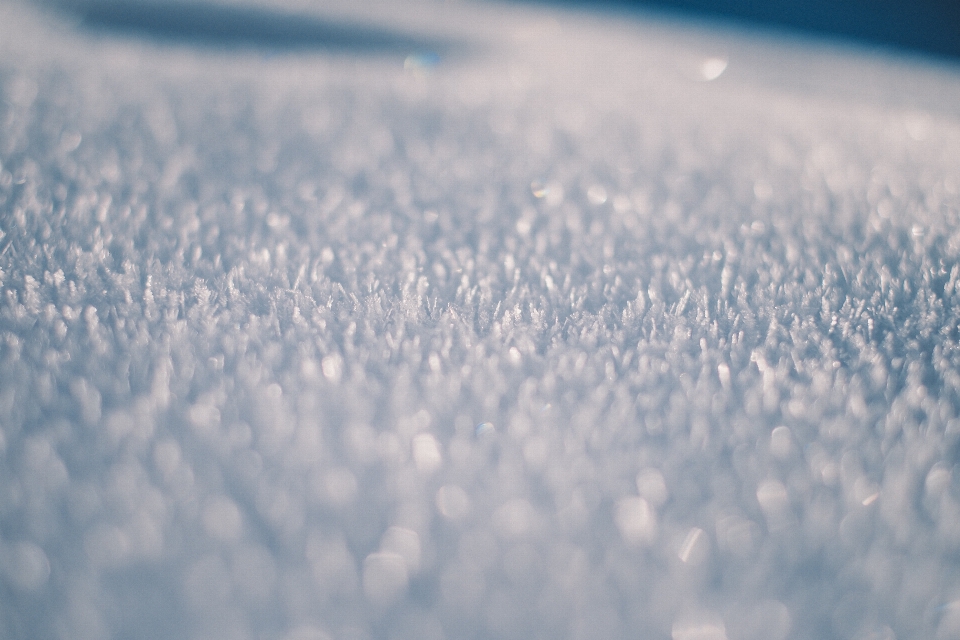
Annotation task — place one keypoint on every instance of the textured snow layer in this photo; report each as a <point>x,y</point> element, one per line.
<point>601,327</point>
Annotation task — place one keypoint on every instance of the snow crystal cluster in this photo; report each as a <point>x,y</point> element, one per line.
<point>575,334</point>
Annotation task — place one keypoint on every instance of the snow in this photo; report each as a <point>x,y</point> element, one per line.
<point>590,325</point>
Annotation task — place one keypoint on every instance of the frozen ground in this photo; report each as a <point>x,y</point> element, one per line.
<point>595,327</point>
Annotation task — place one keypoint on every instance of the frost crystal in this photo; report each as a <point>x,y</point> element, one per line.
<point>538,335</point>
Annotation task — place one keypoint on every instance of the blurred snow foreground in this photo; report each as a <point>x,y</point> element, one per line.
<point>590,327</point>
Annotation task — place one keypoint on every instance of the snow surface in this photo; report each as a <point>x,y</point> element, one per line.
<point>594,326</point>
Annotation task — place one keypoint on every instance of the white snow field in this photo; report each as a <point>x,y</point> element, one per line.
<point>473,321</point>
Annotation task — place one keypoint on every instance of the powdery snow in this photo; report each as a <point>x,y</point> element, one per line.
<point>592,326</point>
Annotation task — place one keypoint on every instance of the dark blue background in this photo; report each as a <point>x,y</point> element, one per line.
<point>925,26</point>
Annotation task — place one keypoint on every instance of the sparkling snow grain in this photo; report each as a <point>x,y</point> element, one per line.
<point>551,338</point>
